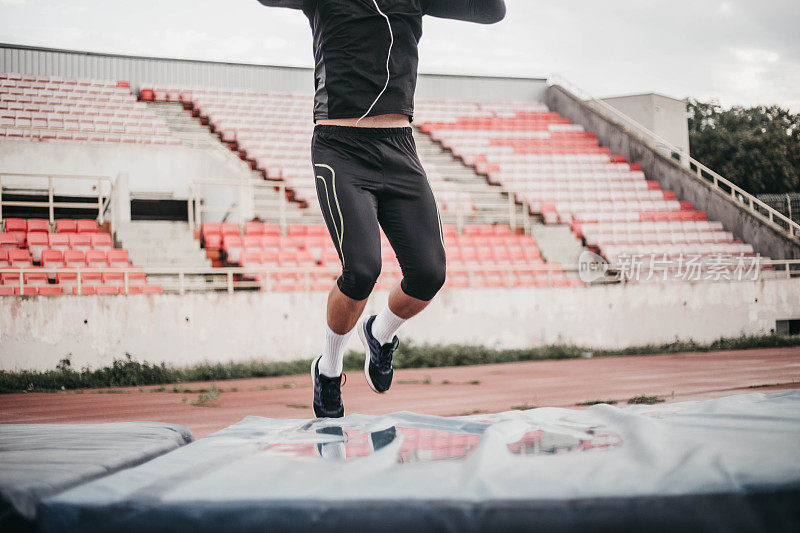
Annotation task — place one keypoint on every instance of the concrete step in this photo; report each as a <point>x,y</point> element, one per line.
<point>558,243</point>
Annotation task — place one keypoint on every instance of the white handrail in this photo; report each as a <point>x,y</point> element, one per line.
<point>102,203</point>
<point>698,169</point>
<point>226,276</point>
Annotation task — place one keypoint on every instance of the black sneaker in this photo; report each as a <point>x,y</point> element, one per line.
<point>327,393</point>
<point>378,358</point>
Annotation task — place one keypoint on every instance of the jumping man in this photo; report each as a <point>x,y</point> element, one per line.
<point>368,174</point>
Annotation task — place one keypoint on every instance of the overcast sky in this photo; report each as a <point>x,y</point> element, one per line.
<point>736,51</point>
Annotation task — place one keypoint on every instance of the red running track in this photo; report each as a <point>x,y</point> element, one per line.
<point>437,391</point>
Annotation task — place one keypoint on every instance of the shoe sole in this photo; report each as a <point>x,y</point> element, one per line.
<point>363,338</point>
<point>314,383</point>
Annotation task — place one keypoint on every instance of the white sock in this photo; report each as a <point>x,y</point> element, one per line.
<point>385,325</point>
<point>333,353</point>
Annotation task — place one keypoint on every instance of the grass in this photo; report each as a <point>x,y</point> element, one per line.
<point>128,372</point>
<point>208,398</point>
<point>470,413</point>
<point>524,407</point>
<point>596,402</point>
<point>298,406</point>
<point>645,400</point>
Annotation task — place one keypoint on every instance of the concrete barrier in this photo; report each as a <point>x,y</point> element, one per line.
<point>766,240</point>
<point>37,332</point>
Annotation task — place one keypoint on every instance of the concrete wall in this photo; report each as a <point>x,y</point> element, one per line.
<point>664,116</point>
<point>765,239</point>
<point>36,332</point>
<point>151,169</point>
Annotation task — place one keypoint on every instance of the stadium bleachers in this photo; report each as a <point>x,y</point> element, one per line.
<point>75,244</point>
<point>491,252</point>
<point>50,108</point>
<point>563,174</point>
<point>273,131</point>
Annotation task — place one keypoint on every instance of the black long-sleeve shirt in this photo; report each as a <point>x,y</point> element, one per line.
<point>366,50</point>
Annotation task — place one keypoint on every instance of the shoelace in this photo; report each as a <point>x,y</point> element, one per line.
<point>385,355</point>
<point>331,388</point>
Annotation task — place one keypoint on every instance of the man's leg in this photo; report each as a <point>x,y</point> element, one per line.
<point>408,215</point>
<point>350,211</point>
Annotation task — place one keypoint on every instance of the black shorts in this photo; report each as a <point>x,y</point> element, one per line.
<point>368,177</point>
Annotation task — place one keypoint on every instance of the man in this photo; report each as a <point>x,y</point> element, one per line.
<point>368,174</point>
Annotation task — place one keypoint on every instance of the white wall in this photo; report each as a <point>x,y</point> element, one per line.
<point>151,168</point>
<point>35,333</point>
<point>664,116</point>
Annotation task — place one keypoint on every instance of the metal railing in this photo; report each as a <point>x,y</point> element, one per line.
<point>231,279</point>
<point>746,200</point>
<point>104,194</point>
<point>246,190</point>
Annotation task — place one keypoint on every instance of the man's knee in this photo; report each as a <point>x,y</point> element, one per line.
<point>358,279</point>
<point>426,281</point>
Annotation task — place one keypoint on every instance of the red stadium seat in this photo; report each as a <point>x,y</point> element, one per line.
<point>78,241</point>
<point>118,258</point>
<point>96,258</point>
<point>213,241</point>
<point>229,228</point>
<point>8,241</point>
<point>74,258</point>
<point>37,242</point>
<point>4,258</point>
<point>58,241</point>
<point>254,228</point>
<point>49,290</point>
<point>101,241</point>
<point>16,224</point>
<point>20,258</point>
<point>86,226</point>
<point>66,225</point>
<point>38,225</point>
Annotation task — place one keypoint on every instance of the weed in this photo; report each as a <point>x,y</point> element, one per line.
<point>645,400</point>
<point>596,402</point>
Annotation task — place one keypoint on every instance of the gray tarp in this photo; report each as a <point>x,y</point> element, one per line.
<point>719,465</point>
<point>39,460</point>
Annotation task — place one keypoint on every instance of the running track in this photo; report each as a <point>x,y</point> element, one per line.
<point>438,391</point>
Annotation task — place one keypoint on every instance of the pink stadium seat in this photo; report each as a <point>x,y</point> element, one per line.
<point>16,224</point>
<point>38,225</point>
<point>86,226</point>
<point>212,241</point>
<point>101,241</point>
<point>8,241</point>
<point>36,243</point>
<point>4,258</point>
<point>35,278</point>
<point>254,228</point>
<point>74,258</point>
<point>66,225</point>
<point>118,258</point>
<point>229,228</point>
<point>78,241</point>
<point>209,228</point>
<point>20,258</point>
<point>49,291</point>
<point>58,241</point>
<point>96,259</point>
<point>107,289</point>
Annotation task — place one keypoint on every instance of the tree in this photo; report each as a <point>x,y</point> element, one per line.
<point>757,148</point>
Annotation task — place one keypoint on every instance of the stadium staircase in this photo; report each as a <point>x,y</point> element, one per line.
<point>193,133</point>
<point>489,204</point>
<point>558,244</point>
